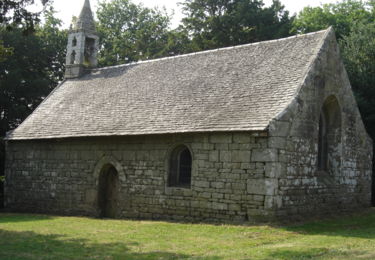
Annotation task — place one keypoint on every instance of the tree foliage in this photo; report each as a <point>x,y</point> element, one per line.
<point>4,52</point>
<point>220,23</point>
<point>341,15</point>
<point>15,13</point>
<point>358,49</point>
<point>31,71</point>
<point>131,32</point>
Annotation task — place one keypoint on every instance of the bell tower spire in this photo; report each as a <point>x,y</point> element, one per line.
<point>83,41</point>
<point>85,20</point>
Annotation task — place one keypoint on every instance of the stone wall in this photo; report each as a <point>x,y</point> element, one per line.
<point>235,176</point>
<point>230,176</point>
<point>303,189</point>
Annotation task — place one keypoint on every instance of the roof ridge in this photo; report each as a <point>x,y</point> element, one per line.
<point>211,51</point>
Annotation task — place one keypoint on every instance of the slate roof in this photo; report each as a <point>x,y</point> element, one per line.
<point>239,88</point>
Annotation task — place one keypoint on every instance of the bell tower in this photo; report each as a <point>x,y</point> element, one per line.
<point>83,42</point>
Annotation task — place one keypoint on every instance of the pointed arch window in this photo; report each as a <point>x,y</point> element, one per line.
<point>180,164</point>
<point>329,136</point>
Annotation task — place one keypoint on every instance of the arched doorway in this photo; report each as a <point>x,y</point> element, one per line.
<point>108,191</point>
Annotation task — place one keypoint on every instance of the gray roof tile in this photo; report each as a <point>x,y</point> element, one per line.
<point>239,88</point>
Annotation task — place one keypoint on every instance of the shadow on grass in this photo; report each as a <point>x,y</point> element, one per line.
<point>360,225</point>
<point>30,245</point>
<point>14,218</point>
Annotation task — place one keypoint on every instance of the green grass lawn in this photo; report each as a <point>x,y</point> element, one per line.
<point>53,237</point>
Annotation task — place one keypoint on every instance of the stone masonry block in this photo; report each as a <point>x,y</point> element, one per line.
<point>279,128</point>
<point>225,156</point>
<point>276,142</point>
<point>128,155</point>
<point>262,186</point>
<point>264,155</point>
<point>234,207</point>
<point>275,169</point>
<point>213,156</point>
<point>202,184</point>
<point>269,202</point>
<point>90,196</point>
<point>241,156</point>
<point>217,185</point>
<point>219,206</point>
<point>223,138</point>
<point>255,186</point>
<point>241,138</point>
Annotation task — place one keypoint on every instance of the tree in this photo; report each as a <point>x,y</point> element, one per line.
<point>131,32</point>
<point>54,45</point>
<point>14,13</point>
<point>4,52</point>
<point>220,23</point>
<point>358,50</point>
<point>178,42</point>
<point>341,16</point>
<point>32,71</point>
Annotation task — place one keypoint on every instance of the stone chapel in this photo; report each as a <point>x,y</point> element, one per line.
<point>256,131</point>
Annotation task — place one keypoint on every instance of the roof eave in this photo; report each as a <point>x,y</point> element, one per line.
<point>261,132</point>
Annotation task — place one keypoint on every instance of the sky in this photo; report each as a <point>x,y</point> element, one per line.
<point>67,8</point>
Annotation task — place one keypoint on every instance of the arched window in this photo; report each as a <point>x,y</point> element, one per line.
<point>89,50</point>
<point>72,57</point>
<point>329,136</point>
<point>74,42</point>
<point>180,167</point>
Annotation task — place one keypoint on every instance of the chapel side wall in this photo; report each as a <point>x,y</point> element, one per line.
<point>302,189</point>
<point>58,176</point>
